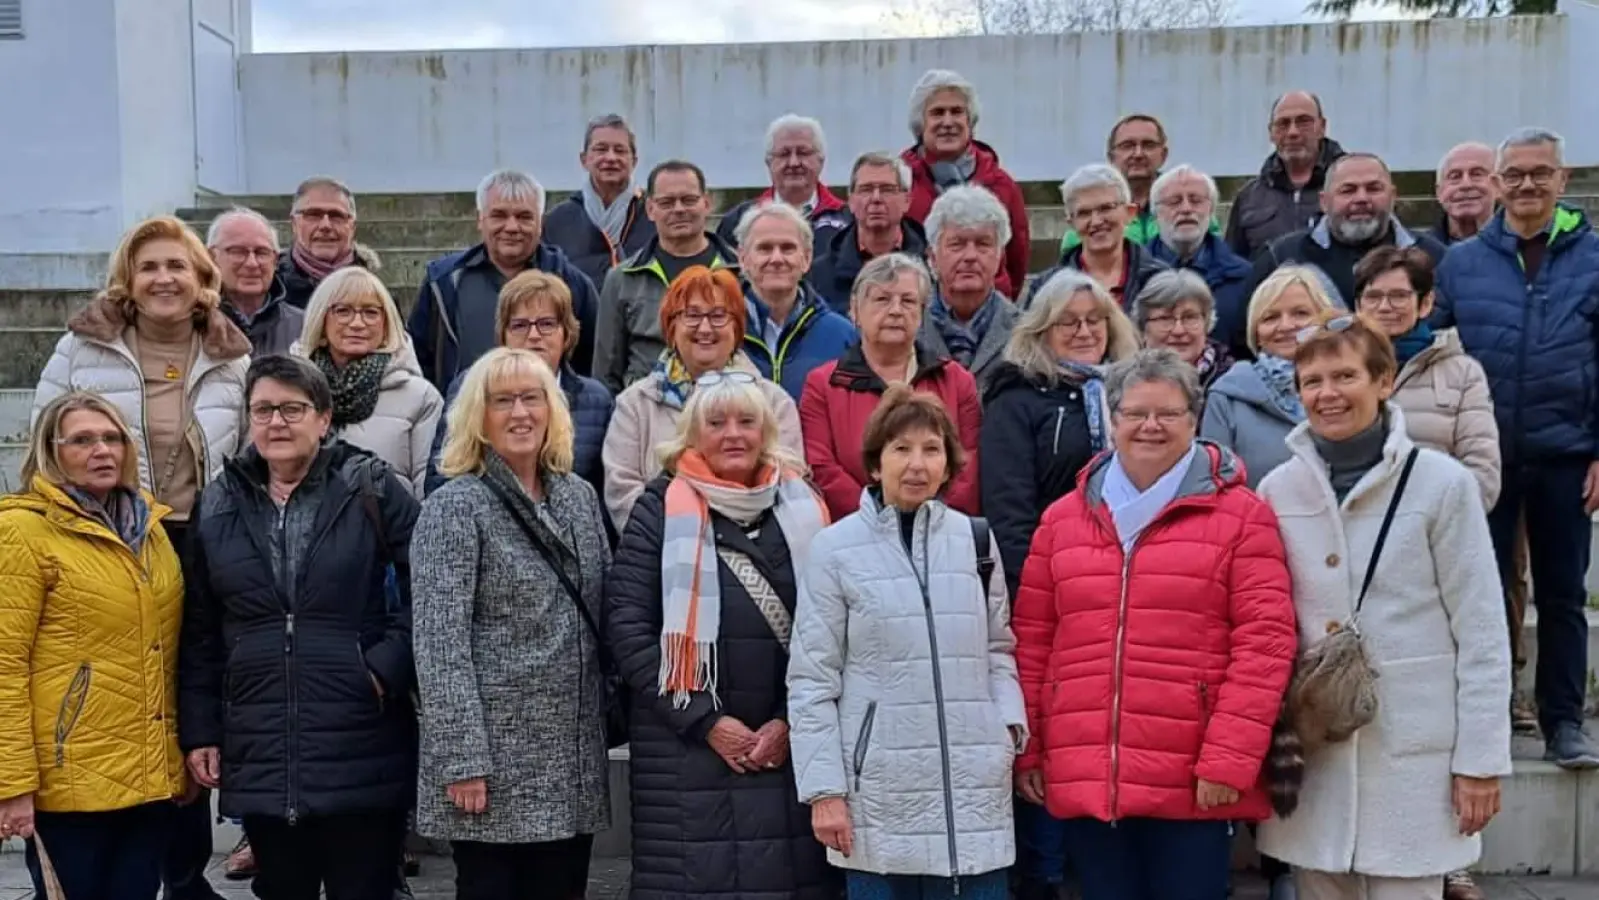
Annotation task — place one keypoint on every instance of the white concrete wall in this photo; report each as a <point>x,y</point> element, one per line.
<point>435,121</point>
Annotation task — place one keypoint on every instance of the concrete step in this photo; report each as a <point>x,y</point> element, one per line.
<point>52,271</point>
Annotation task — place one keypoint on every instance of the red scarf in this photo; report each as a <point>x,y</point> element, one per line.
<point>316,268</point>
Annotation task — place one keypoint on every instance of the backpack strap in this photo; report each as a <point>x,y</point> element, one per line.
<point>983,540</point>
<point>369,502</point>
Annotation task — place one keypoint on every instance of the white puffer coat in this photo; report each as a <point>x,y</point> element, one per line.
<point>1433,626</point>
<point>902,687</point>
<point>401,428</point>
<point>93,356</point>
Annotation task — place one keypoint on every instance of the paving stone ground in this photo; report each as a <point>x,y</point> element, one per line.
<point>608,881</point>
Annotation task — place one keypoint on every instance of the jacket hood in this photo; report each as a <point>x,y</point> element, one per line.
<point>1273,172</point>
<point>1402,237</point>
<point>1569,225</point>
<point>852,373</point>
<point>48,499</point>
<point>104,320</point>
<point>1244,384</point>
<point>1212,470</point>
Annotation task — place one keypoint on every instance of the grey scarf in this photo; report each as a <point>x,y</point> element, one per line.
<point>609,219</point>
<point>955,172</point>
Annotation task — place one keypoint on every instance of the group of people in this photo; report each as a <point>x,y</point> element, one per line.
<point>900,573</point>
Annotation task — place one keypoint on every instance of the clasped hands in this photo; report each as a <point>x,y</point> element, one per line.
<point>747,751</point>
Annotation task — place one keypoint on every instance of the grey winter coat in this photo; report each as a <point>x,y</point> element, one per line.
<point>508,671</point>
<point>1240,415</point>
<point>990,349</point>
<point>902,689</point>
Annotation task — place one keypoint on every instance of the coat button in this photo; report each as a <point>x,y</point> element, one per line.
<point>158,717</point>
<point>1332,560</point>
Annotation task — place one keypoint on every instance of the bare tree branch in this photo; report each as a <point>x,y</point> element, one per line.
<point>963,17</point>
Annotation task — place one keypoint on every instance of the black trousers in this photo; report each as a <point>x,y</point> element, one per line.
<point>354,857</point>
<point>112,855</point>
<point>550,870</point>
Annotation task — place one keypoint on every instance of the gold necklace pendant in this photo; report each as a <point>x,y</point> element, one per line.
<point>172,372</point>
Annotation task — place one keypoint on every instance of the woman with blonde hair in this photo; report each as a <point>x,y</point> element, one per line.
<point>1252,407</point>
<point>381,402</point>
<point>509,562</point>
<point>703,316</point>
<point>158,346</point>
<point>699,611</point>
<point>91,599</point>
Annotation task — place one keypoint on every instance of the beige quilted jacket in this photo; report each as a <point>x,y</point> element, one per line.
<point>1444,394</point>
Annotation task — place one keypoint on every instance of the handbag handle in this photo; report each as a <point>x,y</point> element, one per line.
<point>1387,522</point>
<point>554,564</point>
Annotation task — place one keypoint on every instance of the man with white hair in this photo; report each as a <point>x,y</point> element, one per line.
<point>324,239</point>
<point>244,246</point>
<point>454,321</point>
<point>1184,200</point>
<point>789,329</point>
<point>1522,296</point>
<point>1466,190</point>
<point>796,150</point>
<point>944,110</point>
<point>879,193</point>
<point>1099,203</point>
<point>968,318</point>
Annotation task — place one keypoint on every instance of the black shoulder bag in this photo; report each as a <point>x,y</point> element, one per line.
<point>615,688</point>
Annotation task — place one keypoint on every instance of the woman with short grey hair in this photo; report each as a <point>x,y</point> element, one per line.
<point>943,115</point>
<point>1176,310</point>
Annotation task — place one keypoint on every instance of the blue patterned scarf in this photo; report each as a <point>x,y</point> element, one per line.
<point>962,339</point>
<point>124,512</point>
<point>1092,380</point>
<point>1278,375</point>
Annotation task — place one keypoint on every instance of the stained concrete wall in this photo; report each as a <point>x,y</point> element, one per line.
<point>435,121</point>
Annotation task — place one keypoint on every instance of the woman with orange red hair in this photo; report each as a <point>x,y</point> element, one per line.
<point>702,316</point>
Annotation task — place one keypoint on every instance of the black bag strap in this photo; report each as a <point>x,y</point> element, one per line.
<point>1387,522</point>
<point>369,502</point>
<point>554,564</point>
<point>983,539</point>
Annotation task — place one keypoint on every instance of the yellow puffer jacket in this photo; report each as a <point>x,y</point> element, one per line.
<point>88,658</point>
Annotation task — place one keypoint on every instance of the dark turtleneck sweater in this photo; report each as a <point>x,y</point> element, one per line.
<point>1350,459</point>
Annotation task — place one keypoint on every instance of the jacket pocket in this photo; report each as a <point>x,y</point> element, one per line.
<point>1204,708</point>
<point>72,703</point>
<point>1416,706</point>
<point>368,676</point>
<point>863,741</point>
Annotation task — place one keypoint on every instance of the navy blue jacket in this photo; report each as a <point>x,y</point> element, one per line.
<point>569,227</point>
<point>591,406</point>
<point>838,260</point>
<point>1225,272</point>
<point>815,335</point>
<point>1538,342</point>
<point>436,346</point>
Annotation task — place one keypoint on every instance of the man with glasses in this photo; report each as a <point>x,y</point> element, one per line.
<point>629,338</point>
<point>1285,196</point>
<point>1524,296</point>
<point>1185,208</point>
<point>879,195</point>
<point>1137,148</point>
<point>796,150</point>
<point>324,239</point>
<point>245,248</point>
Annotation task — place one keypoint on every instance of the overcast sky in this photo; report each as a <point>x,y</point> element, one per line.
<point>324,25</point>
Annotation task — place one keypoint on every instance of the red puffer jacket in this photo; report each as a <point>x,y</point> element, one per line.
<point>1145,671</point>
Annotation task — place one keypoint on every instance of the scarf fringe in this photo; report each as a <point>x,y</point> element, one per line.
<point>688,666</point>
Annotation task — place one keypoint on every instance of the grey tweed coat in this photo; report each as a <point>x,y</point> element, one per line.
<point>508,671</point>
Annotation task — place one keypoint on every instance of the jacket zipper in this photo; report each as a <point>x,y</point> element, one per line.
<point>1116,688</point>
<point>943,723</point>
<point>72,703</point>
<point>1060,416</point>
<point>865,738</point>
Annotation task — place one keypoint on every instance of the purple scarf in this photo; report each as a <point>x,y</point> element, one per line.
<point>316,268</point>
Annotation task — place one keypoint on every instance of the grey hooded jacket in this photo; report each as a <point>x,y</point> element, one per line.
<point>1240,415</point>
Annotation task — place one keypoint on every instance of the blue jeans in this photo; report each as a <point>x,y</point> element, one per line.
<point>1150,859</point>
<point>1040,844</point>
<point>867,886</point>
<point>112,855</point>
<point>1558,532</point>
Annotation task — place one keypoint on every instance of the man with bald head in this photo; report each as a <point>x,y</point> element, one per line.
<point>1286,196</point>
<point>1466,190</point>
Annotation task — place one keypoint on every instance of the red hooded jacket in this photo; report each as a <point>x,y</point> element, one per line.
<point>840,396</point>
<point>988,174</point>
<point>1147,670</point>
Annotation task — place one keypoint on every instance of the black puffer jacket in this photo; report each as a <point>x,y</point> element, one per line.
<point>699,830</point>
<point>278,672</point>
<point>1035,440</point>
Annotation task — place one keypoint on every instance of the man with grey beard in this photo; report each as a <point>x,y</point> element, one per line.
<point>1184,200</point>
<point>1357,217</point>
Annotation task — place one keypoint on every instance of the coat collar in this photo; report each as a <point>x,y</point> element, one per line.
<point>104,320</point>
<point>1394,450</point>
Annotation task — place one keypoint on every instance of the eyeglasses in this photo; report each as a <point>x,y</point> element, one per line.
<point>878,190</point>
<point>733,376</point>
<point>90,441</point>
<point>333,216</point>
<point>545,325</point>
<point>1071,324</point>
<point>241,255</point>
<point>344,314</point>
<point>293,412</point>
<point>1397,298</point>
<point>1167,417</point>
<point>503,403</point>
<point>1303,123</point>
<point>1129,146</point>
<point>1331,326</point>
<point>1189,321</point>
<point>693,317</point>
<point>1540,176</point>
<point>1102,211</point>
